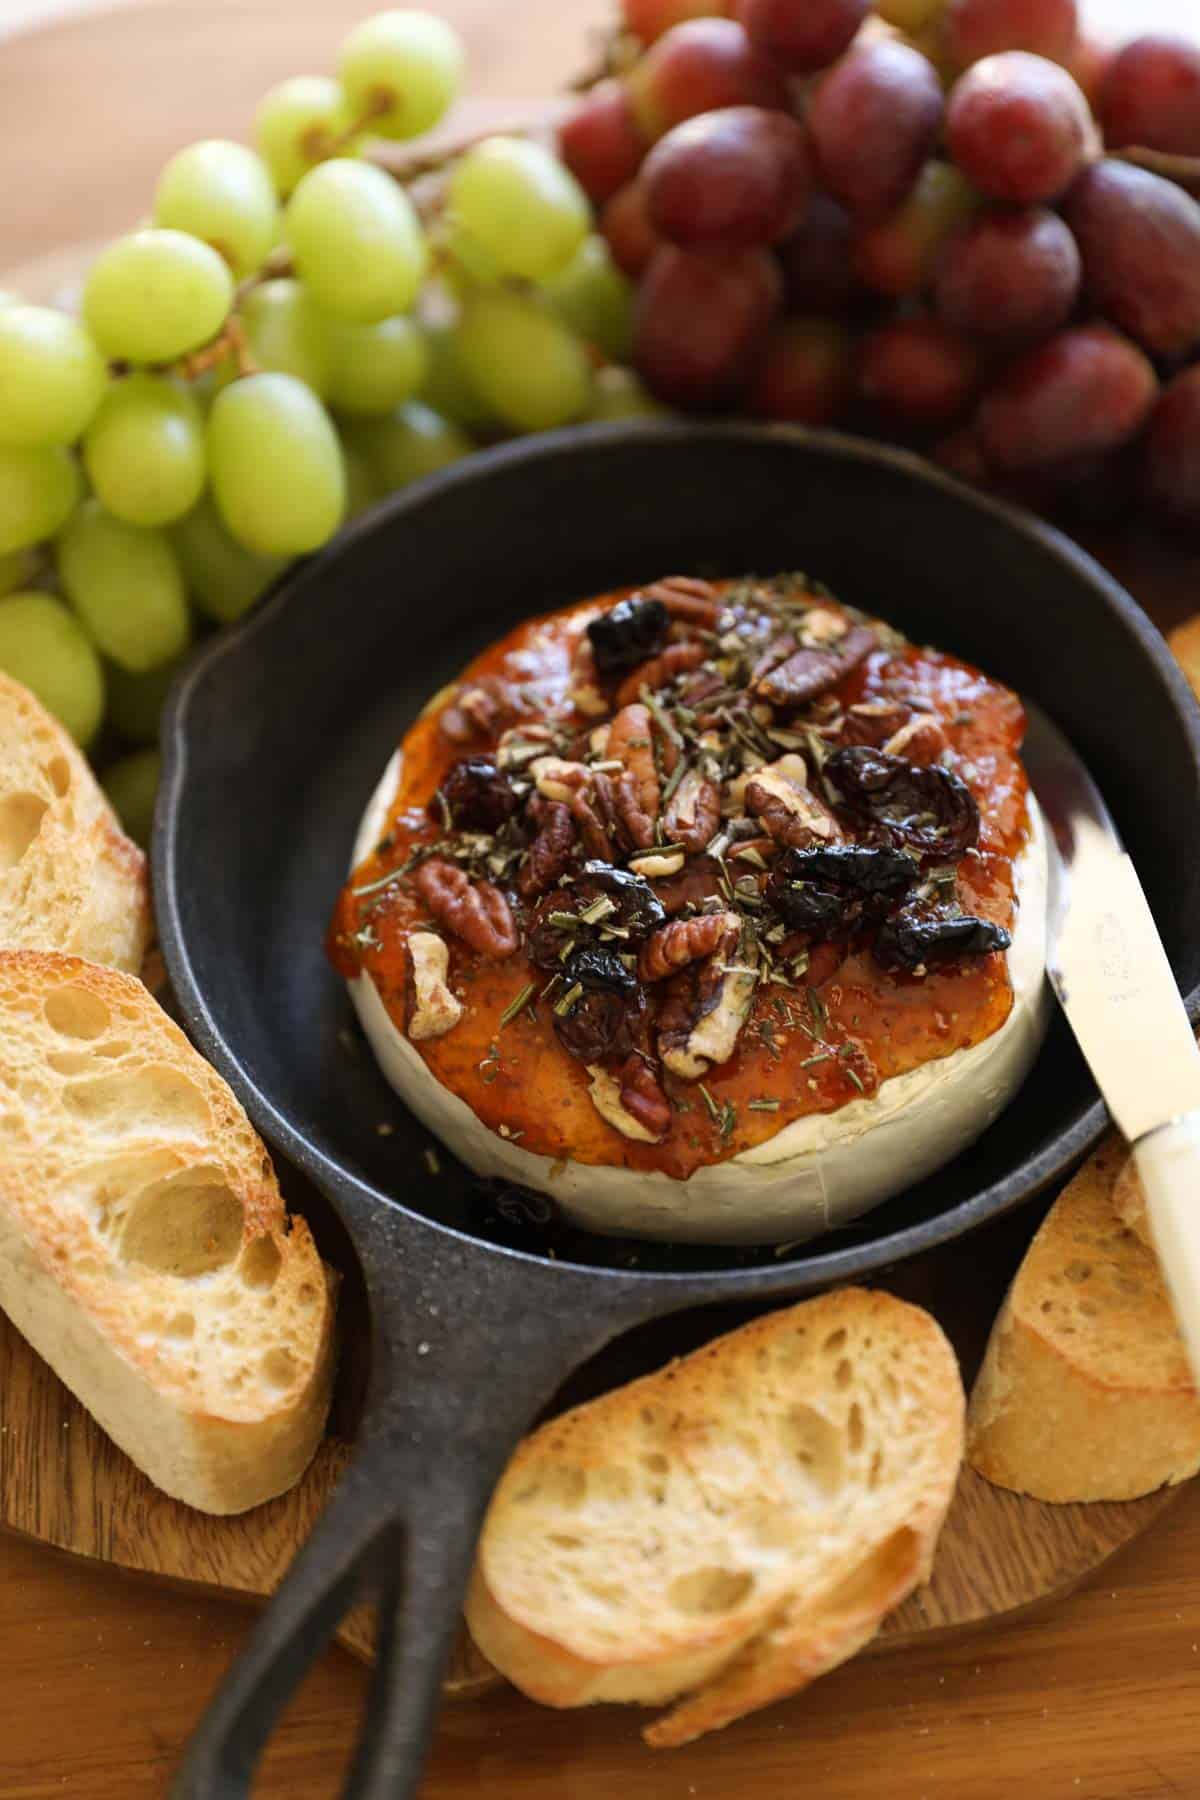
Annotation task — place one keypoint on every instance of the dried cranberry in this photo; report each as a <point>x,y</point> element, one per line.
<point>913,940</point>
<point>597,1025</point>
<point>829,892</point>
<point>628,632</point>
<point>926,810</point>
<point>478,795</point>
<point>593,967</point>
<point>639,909</point>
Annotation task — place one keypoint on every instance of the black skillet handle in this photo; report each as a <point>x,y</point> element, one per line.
<point>468,1345</point>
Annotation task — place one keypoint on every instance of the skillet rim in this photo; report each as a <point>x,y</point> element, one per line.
<point>345,1185</point>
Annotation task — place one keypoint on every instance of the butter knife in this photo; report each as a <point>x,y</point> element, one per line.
<point>1107,965</point>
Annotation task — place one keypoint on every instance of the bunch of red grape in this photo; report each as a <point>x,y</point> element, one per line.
<point>962,224</point>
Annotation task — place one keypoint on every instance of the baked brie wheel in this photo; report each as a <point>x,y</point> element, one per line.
<point>715,911</point>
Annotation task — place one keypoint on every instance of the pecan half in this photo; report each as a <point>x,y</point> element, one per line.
<point>676,659</point>
<point>683,941</point>
<point>686,597</point>
<point>699,881</point>
<point>631,742</point>
<point>777,651</point>
<point>807,673</point>
<point>782,801</point>
<point>479,710</point>
<point>693,812</point>
<point>873,722</point>
<point>921,740</point>
<point>642,1095</point>
<point>476,912</point>
<point>550,851</point>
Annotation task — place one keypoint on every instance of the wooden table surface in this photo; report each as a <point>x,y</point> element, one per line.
<point>102,1677</point>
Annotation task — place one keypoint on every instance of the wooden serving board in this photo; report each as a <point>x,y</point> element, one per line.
<point>63,1482</point>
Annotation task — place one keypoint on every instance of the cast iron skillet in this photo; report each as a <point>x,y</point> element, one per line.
<point>275,739</point>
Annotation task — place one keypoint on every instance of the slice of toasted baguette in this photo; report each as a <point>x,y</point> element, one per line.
<point>1085,1391</point>
<point>144,1247</point>
<point>731,1527</point>
<point>70,879</point>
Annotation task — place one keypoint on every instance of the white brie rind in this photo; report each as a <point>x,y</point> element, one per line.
<point>816,1173</point>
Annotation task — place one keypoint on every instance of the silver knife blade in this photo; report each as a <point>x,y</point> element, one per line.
<point>1104,956</point>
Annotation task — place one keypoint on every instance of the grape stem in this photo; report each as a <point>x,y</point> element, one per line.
<point>615,52</point>
<point>1184,171</point>
<point>379,104</point>
<point>231,339</point>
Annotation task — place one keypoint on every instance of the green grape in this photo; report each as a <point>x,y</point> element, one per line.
<point>38,491</point>
<point>520,205</point>
<point>595,298</point>
<point>524,361</point>
<point>156,295</point>
<point>287,332</point>
<point>375,367</point>
<point>357,242</point>
<point>618,394</point>
<point>413,441</point>
<point>223,194</point>
<point>44,647</point>
<point>463,263</point>
<point>447,388</point>
<point>144,450</point>
<point>17,569</point>
<point>222,576</point>
<point>362,490</point>
<point>297,124</point>
<point>275,465</point>
<point>135,701</point>
<point>126,585</point>
<point>132,787</point>
<point>402,70</point>
<point>52,377</point>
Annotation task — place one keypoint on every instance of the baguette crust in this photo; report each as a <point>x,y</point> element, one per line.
<point>144,1247</point>
<point>70,880</point>
<point>729,1528</point>
<point>1085,1392</point>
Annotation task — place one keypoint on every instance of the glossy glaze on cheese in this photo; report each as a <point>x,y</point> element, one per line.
<point>820,1049</point>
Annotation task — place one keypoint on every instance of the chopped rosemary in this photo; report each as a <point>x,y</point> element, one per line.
<point>762,1106</point>
<point>516,1005</point>
<point>728,1120</point>
<point>565,921</point>
<point>855,1078</point>
<point>749,854</point>
<point>489,1068</point>
<point>661,718</point>
<point>602,907</point>
<point>714,1111</point>
<point>810,1062</point>
<point>562,1007</point>
<point>673,780</point>
<point>381,881</point>
<point>816,1007</point>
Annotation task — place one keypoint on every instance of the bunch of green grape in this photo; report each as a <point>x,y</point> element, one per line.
<point>288,339</point>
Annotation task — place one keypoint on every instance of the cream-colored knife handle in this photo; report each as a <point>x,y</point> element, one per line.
<point>1168,1162</point>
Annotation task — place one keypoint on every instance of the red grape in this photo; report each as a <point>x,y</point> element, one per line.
<point>1009,276</point>
<point>626,225</point>
<point>697,68</point>
<point>978,28</point>
<point>1089,61</point>
<point>897,255</point>
<point>801,35</point>
<point>1171,450</point>
<point>649,19</point>
<point>728,180</point>
<point>1018,126</point>
<point>918,372</point>
<point>600,143</point>
<point>1151,96</point>
<point>817,257</point>
<point>1083,392</point>
<point>701,320</point>
<point>805,372</point>
<point>1140,240</point>
<point>873,121</point>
